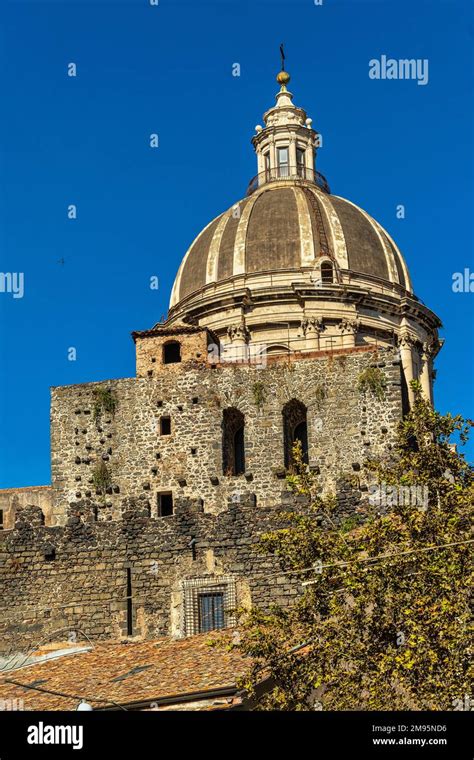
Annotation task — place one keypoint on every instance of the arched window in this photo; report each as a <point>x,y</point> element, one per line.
<point>171,352</point>
<point>233,442</point>
<point>276,350</point>
<point>295,428</point>
<point>327,273</point>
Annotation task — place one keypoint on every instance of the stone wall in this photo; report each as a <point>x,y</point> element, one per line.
<point>71,581</point>
<point>11,499</point>
<point>149,350</point>
<point>71,577</point>
<point>344,426</point>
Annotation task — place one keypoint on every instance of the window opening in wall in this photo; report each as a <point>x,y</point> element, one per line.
<point>209,603</point>
<point>327,273</point>
<point>211,612</point>
<point>50,553</point>
<point>266,159</point>
<point>295,428</point>
<point>1,519</point>
<point>165,426</point>
<point>172,352</point>
<point>282,157</point>
<point>239,453</point>
<point>300,162</point>
<point>233,442</point>
<point>165,504</point>
<point>301,434</point>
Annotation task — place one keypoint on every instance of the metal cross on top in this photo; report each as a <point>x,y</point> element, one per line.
<point>282,54</point>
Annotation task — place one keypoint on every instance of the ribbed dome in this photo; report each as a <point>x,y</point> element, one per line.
<point>286,226</point>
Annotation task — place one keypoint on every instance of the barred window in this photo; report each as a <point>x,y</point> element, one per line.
<point>211,612</point>
<point>208,604</point>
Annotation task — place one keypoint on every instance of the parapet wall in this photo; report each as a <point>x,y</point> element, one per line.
<point>73,581</point>
<point>12,499</point>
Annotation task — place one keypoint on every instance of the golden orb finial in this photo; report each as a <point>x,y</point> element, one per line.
<point>283,77</point>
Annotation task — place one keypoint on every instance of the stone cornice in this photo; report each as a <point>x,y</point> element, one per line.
<point>389,302</point>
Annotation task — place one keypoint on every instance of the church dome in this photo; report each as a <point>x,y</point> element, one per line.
<point>292,269</point>
<point>290,225</point>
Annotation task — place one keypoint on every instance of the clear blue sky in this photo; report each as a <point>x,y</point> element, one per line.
<point>168,69</point>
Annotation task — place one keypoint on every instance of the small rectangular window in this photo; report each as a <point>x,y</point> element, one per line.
<point>165,426</point>
<point>1,519</point>
<point>266,159</point>
<point>171,352</point>
<point>282,156</point>
<point>211,612</point>
<point>165,504</point>
<point>300,162</point>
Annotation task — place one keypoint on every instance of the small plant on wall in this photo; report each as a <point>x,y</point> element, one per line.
<point>259,394</point>
<point>101,477</point>
<point>373,379</point>
<point>319,394</point>
<point>104,401</point>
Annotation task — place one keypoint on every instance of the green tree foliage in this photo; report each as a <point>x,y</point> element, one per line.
<point>385,617</point>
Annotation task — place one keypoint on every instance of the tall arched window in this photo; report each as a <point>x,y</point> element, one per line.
<point>171,352</point>
<point>295,428</point>
<point>233,442</point>
<point>327,272</point>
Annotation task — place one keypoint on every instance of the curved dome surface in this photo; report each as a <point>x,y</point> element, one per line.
<point>289,227</point>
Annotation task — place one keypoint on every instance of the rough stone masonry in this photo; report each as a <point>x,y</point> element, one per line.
<point>107,562</point>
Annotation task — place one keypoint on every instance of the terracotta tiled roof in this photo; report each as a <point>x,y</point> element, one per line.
<point>178,328</point>
<point>127,673</point>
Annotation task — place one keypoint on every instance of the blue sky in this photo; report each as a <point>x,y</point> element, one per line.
<point>143,69</point>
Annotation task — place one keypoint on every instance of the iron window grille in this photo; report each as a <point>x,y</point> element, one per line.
<point>209,604</point>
